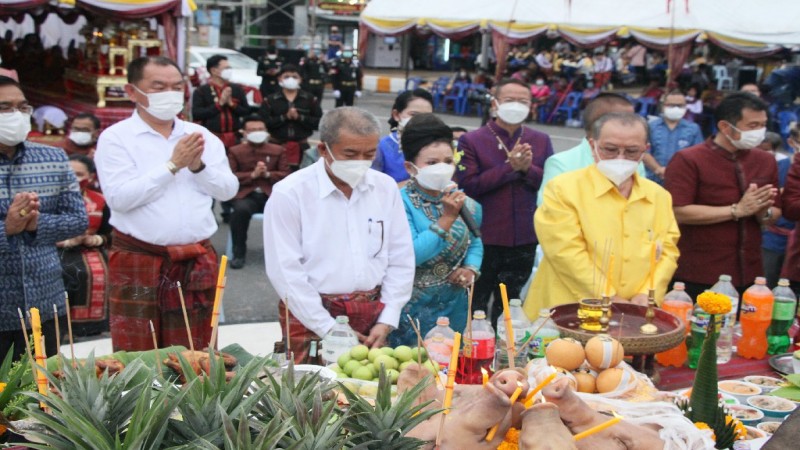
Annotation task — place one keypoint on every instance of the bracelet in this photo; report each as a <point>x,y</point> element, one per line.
<point>439,231</point>
<point>733,213</point>
<point>172,167</point>
<point>199,169</point>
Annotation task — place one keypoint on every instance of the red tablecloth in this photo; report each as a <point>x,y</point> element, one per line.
<point>673,378</point>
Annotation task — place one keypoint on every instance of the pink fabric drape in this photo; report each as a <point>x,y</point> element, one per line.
<point>168,21</point>
<point>363,40</point>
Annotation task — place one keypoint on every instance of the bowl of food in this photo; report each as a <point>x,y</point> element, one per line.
<point>749,415</point>
<point>772,406</point>
<point>305,369</point>
<point>726,399</point>
<point>739,389</point>
<point>769,427</point>
<point>754,433</point>
<point>767,384</point>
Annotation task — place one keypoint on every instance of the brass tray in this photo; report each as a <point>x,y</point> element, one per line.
<point>671,329</point>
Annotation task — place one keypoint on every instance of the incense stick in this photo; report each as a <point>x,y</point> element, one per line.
<point>58,337</point>
<point>69,330</point>
<point>594,270</point>
<point>286,345</point>
<point>27,343</point>
<point>186,319</point>
<point>415,327</point>
<point>155,348</point>
<point>468,331</point>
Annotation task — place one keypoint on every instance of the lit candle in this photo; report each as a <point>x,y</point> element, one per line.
<point>509,327</point>
<point>485,376</point>
<point>651,277</point>
<point>609,275</point>
<point>451,373</point>
<point>539,387</point>
<point>516,393</point>
<point>38,350</point>
<point>223,264</point>
<point>598,428</point>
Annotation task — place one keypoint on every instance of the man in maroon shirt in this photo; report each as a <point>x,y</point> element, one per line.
<point>258,165</point>
<point>501,168</point>
<point>723,191</point>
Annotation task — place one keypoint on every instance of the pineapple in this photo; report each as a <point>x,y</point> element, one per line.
<point>384,426</point>
<point>15,378</point>
<point>210,398</point>
<point>103,413</point>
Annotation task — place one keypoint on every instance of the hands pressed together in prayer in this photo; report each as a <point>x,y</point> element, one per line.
<point>452,202</point>
<point>23,213</point>
<point>521,157</point>
<point>188,152</point>
<point>292,114</point>
<point>756,200</point>
<point>260,171</point>
<point>226,97</point>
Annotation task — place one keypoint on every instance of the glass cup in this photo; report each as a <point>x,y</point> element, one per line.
<point>590,310</point>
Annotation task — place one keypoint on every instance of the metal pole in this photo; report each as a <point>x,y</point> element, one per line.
<point>406,54</point>
<point>484,62</point>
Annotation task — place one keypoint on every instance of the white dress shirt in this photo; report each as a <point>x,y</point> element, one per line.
<point>147,201</point>
<point>317,241</point>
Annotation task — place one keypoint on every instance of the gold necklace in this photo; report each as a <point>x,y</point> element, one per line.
<point>502,146</point>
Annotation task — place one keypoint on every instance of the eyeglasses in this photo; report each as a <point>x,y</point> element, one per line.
<point>627,153</point>
<point>24,109</point>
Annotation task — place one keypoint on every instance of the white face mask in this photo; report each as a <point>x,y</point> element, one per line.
<point>163,105</point>
<point>513,113</point>
<point>403,122</point>
<point>674,113</point>
<point>81,137</point>
<point>290,83</point>
<point>616,170</point>
<point>540,82</point>
<point>436,176</point>
<point>747,139</point>
<point>226,74</point>
<point>14,128</point>
<point>257,137</point>
<point>349,171</point>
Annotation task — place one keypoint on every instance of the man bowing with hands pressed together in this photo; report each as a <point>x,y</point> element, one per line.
<point>159,175</point>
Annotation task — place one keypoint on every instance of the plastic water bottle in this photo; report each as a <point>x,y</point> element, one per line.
<point>782,315</point>
<point>521,326</point>
<point>442,327</point>
<point>679,303</point>
<point>483,342</point>
<point>339,341</point>
<point>439,342</point>
<point>699,327</point>
<point>547,333</point>
<point>756,317</point>
<point>728,322</point>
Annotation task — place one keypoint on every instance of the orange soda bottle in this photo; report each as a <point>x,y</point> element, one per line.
<point>677,302</point>
<point>756,315</point>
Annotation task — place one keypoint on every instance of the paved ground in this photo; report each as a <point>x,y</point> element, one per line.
<point>249,296</point>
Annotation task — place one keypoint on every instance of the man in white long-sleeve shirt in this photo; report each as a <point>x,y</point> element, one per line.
<point>159,176</point>
<point>337,240</point>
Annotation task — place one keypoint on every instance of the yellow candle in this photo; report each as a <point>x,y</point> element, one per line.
<point>516,393</point>
<point>598,428</point>
<point>451,373</point>
<point>223,264</point>
<point>485,376</point>
<point>609,275</point>
<point>509,327</point>
<point>38,350</point>
<point>539,387</point>
<point>651,277</point>
<point>514,397</point>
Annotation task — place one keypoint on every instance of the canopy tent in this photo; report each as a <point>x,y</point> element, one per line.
<point>736,25</point>
<point>23,16</point>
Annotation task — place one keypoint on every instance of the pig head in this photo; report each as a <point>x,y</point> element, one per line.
<point>475,410</point>
<point>542,429</point>
<point>579,417</point>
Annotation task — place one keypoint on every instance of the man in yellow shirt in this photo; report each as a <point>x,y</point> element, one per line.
<point>607,201</point>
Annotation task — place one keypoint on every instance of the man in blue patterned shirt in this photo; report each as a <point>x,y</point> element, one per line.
<point>39,205</point>
<point>669,134</point>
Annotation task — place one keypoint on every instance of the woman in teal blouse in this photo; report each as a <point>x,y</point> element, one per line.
<point>448,256</point>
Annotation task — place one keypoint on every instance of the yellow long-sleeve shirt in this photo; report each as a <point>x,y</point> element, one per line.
<point>581,210</point>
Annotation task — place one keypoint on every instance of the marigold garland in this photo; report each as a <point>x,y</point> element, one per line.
<point>714,302</point>
<point>704,426</point>
<point>740,430</point>
<point>511,441</point>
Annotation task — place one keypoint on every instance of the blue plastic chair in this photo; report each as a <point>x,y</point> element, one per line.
<point>570,107</point>
<point>458,95</point>
<point>644,106</point>
<point>475,87</point>
<point>546,107</point>
<point>411,84</point>
<point>438,91</point>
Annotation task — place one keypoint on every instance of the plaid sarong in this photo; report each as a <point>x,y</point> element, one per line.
<point>362,308</point>
<point>143,288</point>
